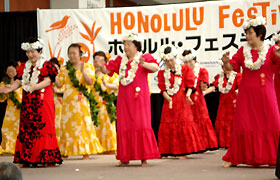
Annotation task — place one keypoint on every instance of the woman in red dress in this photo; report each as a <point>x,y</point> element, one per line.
<point>256,126</point>
<point>226,83</point>
<point>178,133</point>
<point>135,137</point>
<point>199,108</point>
<point>36,142</point>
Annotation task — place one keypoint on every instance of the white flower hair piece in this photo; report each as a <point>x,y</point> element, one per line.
<point>132,37</point>
<point>187,57</point>
<point>29,46</point>
<point>276,37</point>
<point>254,22</point>
<point>170,55</point>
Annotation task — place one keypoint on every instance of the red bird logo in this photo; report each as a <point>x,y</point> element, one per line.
<point>59,24</point>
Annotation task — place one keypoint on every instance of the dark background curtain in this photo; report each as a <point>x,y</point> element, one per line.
<point>15,28</point>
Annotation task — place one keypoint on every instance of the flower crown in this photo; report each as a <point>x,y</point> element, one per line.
<point>170,55</point>
<point>276,37</point>
<point>132,37</point>
<point>29,46</point>
<point>187,57</point>
<point>254,22</point>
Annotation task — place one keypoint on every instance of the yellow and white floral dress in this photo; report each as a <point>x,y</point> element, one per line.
<point>106,131</point>
<point>77,132</point>
<point>57,98</point>
<point>10,125</point>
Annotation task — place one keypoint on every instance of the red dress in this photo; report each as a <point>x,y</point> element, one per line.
<point>226,110</point>
<point>135,136</point>
<point>36,142</point>
<point>256,126</point>
<point>200,113</point>
<point>178,133</point>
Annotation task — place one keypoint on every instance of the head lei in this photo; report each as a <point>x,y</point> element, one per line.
<point>39,44</point>
<point>188,57</point>
<point>132,37</point>
<point>168,56</point>
<point>254,22</point>
<point>276,36</point>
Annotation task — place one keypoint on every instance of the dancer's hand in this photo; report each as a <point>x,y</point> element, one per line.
<point>142,61</point>
<point>225,57</point>
<point>189,100</point>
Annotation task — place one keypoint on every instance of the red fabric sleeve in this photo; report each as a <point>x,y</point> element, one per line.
<point>237,60</point>
<point>114,65</point>
<point>238,78</point>
<point>161,80</point>
<point>216,81</point>
<point>203,76</point>
<point>149,59</point>
<point>188,76</point>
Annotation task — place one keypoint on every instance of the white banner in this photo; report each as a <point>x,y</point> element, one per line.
<point>211,28</point>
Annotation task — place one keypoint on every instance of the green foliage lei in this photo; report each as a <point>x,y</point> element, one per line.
<point>81,88</point>
<point>109,98</point>
<point>11,95</point>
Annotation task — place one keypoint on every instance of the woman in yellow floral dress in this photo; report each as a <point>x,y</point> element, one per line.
<point>77,132</point>
<point>10,126</point>
<point>106,131</point>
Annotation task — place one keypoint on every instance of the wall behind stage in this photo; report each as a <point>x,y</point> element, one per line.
<point>210,27</point>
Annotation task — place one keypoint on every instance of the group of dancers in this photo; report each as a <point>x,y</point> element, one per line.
<point>81,122</point>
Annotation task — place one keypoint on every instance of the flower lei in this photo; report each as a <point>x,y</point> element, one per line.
<point>81,88</point>
<point>109,98</point>
<point>276,37</point>
<point>132,72</point>
<point>177,80</point>
<point>11,96</point>
<point>229,84</point>
<point>29,46</point>
<point>249,59</point>
<point>26,81</point>
<point>196,70</point>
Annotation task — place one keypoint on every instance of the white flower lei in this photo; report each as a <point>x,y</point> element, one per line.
<point>276,37</point>
<point>229,84</point>
<point>177,80</point>
<point>132,72</point>
<point>249,59</point>
<point>196,70</point>
<point>26,81</point>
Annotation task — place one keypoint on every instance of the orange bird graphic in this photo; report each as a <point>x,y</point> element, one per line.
<point>59,24</point>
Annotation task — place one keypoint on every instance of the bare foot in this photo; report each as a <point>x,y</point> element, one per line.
<point>227,164</point>
<point>50,165</point>
<point>85,157</point>
<point>122,164</point>
<point>109,152</point>
<point>64,156</point>
<point>144,163</point>
<point>183,157</point>
<point>23,165</point>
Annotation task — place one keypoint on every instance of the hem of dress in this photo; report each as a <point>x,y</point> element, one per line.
<point>36,163</point>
